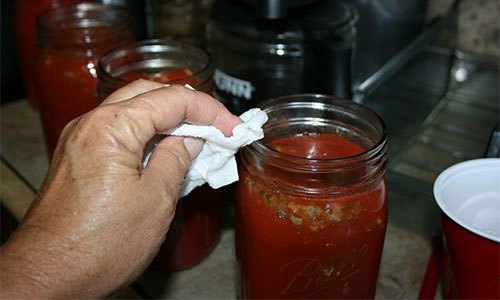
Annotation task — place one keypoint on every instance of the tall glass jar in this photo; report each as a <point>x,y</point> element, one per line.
<point>312,202</point>
<point>196,227</point>
<point>71,40</point>
<point>25,14</point>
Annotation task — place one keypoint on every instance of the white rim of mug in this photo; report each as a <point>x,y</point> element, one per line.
<point>447,174</point>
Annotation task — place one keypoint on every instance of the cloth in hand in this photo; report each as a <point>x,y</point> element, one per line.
<point>216,163</point>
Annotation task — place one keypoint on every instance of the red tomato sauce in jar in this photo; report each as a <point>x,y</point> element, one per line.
<point>318,246</point>
<point>181,76</point>
<point>67,89</point>
<point>317,146</point>
<point>25,14</point>
<point>194,231</point>
<point>71,39</point>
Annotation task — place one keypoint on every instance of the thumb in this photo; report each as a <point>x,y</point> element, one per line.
<point>170,162</point>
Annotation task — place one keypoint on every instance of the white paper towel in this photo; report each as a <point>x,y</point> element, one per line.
<point>216,163</point>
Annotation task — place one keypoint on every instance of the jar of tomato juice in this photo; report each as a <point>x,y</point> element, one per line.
<point>196,227</point>
<point>311,201</point>
<point>25,14</point>
<point>71,39</point>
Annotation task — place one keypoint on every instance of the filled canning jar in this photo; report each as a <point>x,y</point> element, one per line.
<point>196,227</point>
<point>25,14</point>
<point>71,39</point>
<point>312,202</point>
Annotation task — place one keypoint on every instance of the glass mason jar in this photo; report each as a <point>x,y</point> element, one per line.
<point>197,224</point>
<point>312,202</point>
<point>71,40</point>
<point>25,14</point>
<point>158,60</point>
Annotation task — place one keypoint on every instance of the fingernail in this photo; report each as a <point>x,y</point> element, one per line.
<point>193,146</point>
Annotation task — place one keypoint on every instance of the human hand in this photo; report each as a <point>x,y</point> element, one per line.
<point>100,217</point>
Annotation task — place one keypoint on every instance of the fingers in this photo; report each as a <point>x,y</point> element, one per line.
<point>150,108</point>
<point>121,127</point>
<point>131,90</point>
<point>162,108</point>
<point>144,89</point>
<point>168,165</point>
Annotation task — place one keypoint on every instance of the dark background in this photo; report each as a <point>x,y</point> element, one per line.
<point>11,88</point>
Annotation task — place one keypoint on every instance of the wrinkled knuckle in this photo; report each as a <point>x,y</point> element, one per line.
<point>69,127</point>
<point>141,102</point>
<point>179,92</point>
<point>89,125</point>
<point>101,113</point>
<point>98,119</point>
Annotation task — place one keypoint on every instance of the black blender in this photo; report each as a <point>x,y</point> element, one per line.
<point>265,48</point>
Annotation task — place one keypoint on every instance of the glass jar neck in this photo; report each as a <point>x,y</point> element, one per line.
<point>85,29</point>
<point>164,61</point>
<point>301,115</point>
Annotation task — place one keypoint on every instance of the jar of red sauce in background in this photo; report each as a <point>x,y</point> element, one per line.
<point>311,210</point>
<point>25,14</point>
<point>158,60</point>
<point>196,227</point>
<point>71,40</point>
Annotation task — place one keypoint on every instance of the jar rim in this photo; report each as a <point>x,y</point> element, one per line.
<point>320,101</point>
<point>154,43</point>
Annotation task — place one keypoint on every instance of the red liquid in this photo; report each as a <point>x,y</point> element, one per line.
<point>290,246</point>
<point>66,81</point>
<point>25,14</point>
<point>317,146</point>
<point>67,89</point>
<point>183,76</point>
<point>194,232</point>
<point>176,76</point>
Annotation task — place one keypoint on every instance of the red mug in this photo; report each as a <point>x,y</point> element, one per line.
<point>468,195</point>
